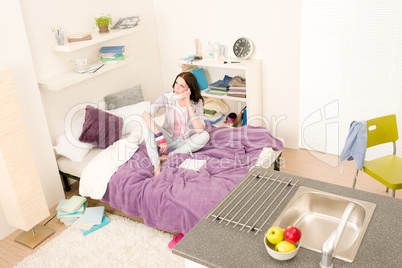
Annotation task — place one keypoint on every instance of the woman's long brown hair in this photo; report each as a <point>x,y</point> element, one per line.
<point>192,83</point>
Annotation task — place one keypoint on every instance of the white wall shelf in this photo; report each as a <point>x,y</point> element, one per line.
<point>96,39</point>
<point>249,69</point>
<point>71,77</point>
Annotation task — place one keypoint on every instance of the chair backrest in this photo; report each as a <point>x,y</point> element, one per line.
<point>381,130</point>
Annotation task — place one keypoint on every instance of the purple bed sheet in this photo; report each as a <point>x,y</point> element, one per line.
<point>178,198</point>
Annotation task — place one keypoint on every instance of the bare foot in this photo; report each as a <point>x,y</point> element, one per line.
<point>164,158</point>
<point>157,170</point>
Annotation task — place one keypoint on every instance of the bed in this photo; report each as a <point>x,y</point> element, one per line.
<point>178,198</point>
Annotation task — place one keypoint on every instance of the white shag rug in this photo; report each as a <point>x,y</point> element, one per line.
<point>121,243</point>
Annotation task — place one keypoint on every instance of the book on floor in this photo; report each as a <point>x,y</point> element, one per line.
<point>105,221</point>
<point>73,204</point>
<point>60,204</point>
<point>69,219</point>
<point>78,224</point>
<point>77,213</point>
<point>93,215</point>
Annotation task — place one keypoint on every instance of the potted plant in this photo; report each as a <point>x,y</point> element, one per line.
<point>103,23</point>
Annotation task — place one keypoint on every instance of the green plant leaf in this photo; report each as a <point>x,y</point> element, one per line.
<point>104,19</point>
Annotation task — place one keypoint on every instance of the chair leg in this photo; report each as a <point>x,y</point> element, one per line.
<point>355,178</point>
<point>393,193</point>
<point>386,189</point>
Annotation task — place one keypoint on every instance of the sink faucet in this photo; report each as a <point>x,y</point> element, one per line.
<point>331,243</point>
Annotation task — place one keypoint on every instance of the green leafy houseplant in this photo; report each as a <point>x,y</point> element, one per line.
<point>103,22</point>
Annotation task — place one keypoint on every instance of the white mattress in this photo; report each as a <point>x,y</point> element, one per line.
<point>74,168</point>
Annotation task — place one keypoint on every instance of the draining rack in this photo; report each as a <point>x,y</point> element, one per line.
<point>254,200</point>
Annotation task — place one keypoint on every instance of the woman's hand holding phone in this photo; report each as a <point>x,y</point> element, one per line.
<point>182,95</point>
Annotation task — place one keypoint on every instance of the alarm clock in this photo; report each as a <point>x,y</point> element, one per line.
<point>243,48</point>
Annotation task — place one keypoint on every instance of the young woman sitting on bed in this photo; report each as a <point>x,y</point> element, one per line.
<point>183,128</point>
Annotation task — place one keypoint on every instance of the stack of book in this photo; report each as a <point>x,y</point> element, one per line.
<point>93,219</point>
<point>239,92</point>
<point>112,53</point>
<point>79,37</point>
<point>69,210</point>
<point>218,88</point>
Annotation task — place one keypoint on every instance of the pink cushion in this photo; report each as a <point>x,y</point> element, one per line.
<point>100,128</point>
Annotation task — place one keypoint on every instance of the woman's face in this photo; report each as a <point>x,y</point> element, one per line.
<point>180,86</point>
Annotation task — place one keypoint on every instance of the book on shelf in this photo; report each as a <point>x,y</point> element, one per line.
<point>110,55</point>
<point>83,36</point>
<point>105,221</point>
<point>93,215</point>
<point>112,49</point>
<point>73,204</point>
<point>120,57</point>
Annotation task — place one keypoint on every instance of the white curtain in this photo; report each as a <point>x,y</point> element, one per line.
<point>351,69</point>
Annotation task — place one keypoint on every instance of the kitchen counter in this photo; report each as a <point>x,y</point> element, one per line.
<point>217,245</point>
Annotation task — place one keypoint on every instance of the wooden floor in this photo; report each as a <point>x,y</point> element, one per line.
<point>300,162</point>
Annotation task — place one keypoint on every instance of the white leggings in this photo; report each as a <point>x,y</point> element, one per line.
<point>194,143</point>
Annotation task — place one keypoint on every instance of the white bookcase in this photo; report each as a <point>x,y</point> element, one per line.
<point>251,70</point>
<point>70,77</point>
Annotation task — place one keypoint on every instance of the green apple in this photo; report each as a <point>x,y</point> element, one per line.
<point>275,235</point>
<point>285,246</point>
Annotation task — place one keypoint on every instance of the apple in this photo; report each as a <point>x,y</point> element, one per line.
<point>285,246</point>
<point>292,234</point>
<point>275,235</point>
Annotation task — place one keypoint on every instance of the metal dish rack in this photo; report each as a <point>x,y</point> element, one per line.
<point>253,201</point>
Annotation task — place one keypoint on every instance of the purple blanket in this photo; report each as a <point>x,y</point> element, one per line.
<point>178,198</point>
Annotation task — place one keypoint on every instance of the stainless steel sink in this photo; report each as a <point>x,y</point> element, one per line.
<point>317,214</point>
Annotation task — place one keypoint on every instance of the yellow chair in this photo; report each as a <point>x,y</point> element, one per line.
<point>386,169</point>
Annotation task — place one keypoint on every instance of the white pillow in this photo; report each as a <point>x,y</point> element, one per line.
<point>69,146</point>
<point>131,115</point>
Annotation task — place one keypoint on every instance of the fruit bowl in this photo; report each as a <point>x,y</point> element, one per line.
<point>281,256</point>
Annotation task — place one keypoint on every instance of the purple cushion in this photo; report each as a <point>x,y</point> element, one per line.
<point>100,128</point>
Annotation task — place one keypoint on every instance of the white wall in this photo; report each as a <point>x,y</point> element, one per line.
<point>78,16</point>
<point>273,26</point>
<point>17,56</point>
